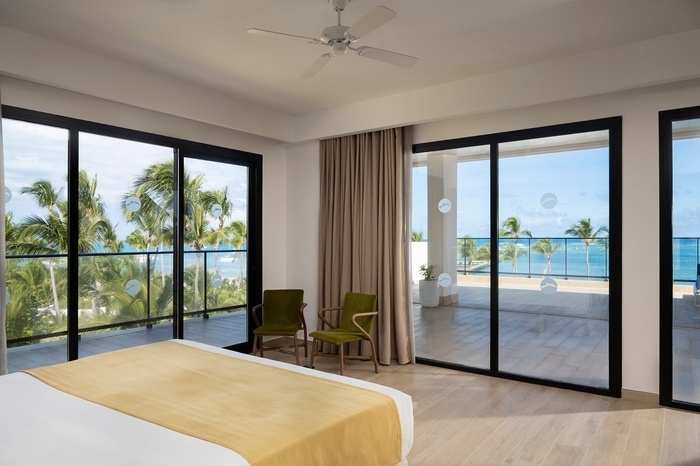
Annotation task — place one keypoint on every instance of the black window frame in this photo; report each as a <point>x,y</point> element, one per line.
<point>614,127</point>
<point>666,120</point>
<point>181,149</point>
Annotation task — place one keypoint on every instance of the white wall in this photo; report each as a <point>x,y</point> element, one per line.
<point>303,205</point>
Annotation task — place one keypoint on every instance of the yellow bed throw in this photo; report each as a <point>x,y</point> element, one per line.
<point>270,416</point>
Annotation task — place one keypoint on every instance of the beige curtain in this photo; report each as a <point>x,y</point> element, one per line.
<point>362,236</point>
<point>3,294</point>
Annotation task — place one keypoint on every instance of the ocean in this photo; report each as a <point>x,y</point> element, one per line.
<point>570,260</point>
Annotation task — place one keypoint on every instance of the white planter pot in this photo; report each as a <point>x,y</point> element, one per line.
<point>429,293</point>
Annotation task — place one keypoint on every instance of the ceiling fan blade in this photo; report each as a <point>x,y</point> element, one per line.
<point>317,66</point>
<point>370,22</point>
<point>386,56</point>
<point>263,32</point>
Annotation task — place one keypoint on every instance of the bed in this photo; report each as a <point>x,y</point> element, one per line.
<point>185,403</point>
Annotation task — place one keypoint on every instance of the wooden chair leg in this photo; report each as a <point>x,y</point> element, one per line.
<point>296,348</point>
<point>313,354</point>
<point>255,345</point>
<point>306,344</point>
<point>374,356</point>
<point>342,357</point>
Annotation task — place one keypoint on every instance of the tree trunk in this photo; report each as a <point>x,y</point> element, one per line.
<point>57,309</point>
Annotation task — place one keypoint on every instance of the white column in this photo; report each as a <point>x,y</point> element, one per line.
<point>442,226</point>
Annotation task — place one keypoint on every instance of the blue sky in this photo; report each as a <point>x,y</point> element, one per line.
<point>686,195</point>
<point>34,152</point>
<point>579,179</point>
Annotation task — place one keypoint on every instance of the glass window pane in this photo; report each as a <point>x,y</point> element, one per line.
<point>451,218</point>
<point>125,246</point>
<point>35,158</point>
<point>686,260</point>
<point>216,243</point>
<point>553,267</point>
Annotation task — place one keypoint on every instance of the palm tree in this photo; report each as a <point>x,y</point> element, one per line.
<point>584,230</point>
<point>30,290</point>
<point>512,252</point>
<point>154,188</point>
<point>467,250</point>
<point>605,246</point>
<point>218,235</point>
<point>218,197</point>
<point>511,229</point>
<point>484,253</point>
<point>137,240</point>
<point>49,234</point>
<point>416,236</point>
<point>238,233</point>
<point>46,235</point>
<point>197,237</point>
<point>546,247</point>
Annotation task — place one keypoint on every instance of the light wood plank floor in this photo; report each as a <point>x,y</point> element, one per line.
<point>469,419</point>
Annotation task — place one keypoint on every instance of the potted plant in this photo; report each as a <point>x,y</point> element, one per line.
<point>428,289</point>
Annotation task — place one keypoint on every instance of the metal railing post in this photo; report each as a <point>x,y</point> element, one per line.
<point>149,325</point>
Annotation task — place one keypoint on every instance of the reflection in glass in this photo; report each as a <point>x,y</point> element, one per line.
<point>456,241</point>
<point>215,267</point>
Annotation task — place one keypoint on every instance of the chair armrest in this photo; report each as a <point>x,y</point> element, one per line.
<point>327,309</point>
<point>301,313</point>
<point>363,314</point>
<point>255,316</point>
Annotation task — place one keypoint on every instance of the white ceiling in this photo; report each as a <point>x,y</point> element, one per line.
<point>205,41</point>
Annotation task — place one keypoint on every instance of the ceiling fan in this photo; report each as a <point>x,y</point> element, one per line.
<point>340,38</point>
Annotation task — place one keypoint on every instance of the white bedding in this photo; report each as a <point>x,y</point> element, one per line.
<point>40,425</point>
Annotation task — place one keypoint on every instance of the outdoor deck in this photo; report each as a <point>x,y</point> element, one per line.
<point>562,336</point>
<point>218,330</point>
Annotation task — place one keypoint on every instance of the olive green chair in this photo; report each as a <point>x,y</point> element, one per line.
<point>283,316</point>
<point>356,322</point>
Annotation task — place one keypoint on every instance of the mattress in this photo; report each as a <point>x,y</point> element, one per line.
<point>42,425</point>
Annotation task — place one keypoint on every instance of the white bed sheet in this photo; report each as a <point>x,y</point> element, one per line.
<point>40,425</point>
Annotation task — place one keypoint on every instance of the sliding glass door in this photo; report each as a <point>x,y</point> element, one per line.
<point>554,219</point>
<point>679,132</point>
<point>35,166</point>
<point>526,256</point>
<point>451,228</point>
<point>216,252</point>
<point>125,243</point>
<point>117,238</point>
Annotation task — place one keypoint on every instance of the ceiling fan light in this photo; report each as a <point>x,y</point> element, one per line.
<point>339,48</point>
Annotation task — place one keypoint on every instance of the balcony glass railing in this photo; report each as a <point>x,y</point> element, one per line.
<point>118,291</point>
<point>567,258</point>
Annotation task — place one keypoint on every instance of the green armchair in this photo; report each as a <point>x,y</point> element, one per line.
<point>356,322</point>
<point>282,315</point>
